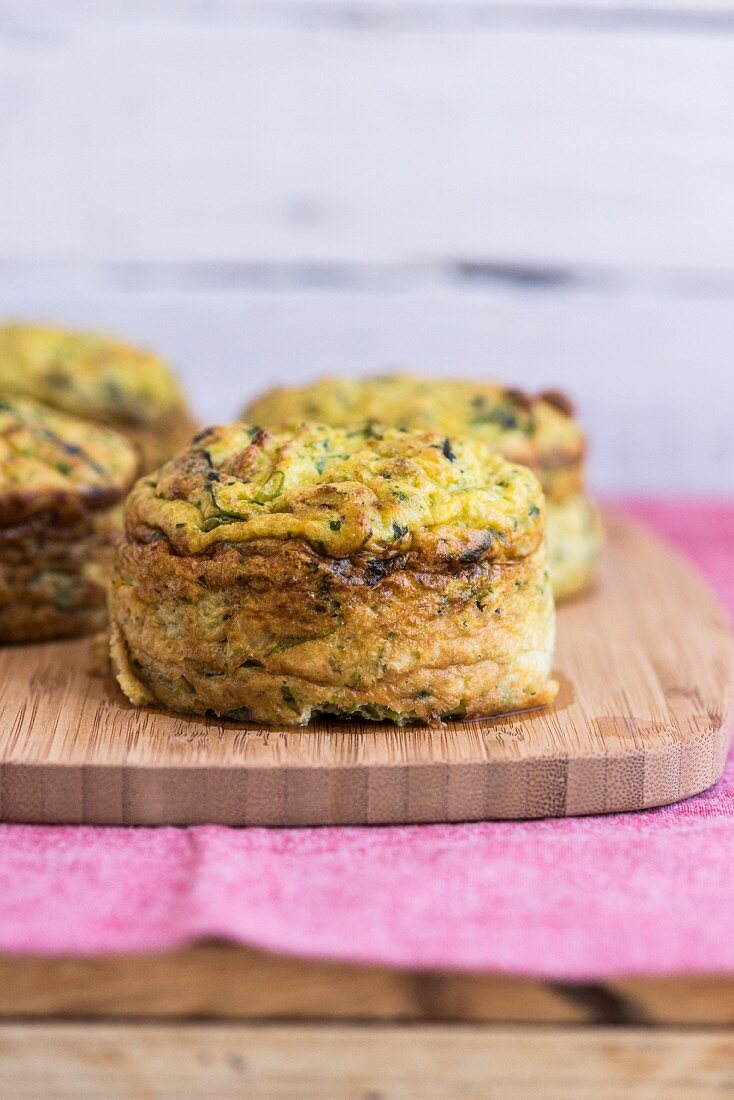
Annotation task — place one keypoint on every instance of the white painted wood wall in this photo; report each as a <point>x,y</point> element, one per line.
<point>541,192</point>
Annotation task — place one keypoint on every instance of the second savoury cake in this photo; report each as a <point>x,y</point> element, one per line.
<point>381,573</point>
<point>540,432</point>
<point>61,484</point>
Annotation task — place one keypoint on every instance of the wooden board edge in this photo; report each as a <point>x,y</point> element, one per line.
<point>242,793</point>
<point>423,793</point>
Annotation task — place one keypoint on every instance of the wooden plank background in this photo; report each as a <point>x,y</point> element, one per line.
<point>97,1061</point>
<point>229,1061</point>
<point>541,191</point>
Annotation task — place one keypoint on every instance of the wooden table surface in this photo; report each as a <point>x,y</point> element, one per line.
<point>221,1021</point>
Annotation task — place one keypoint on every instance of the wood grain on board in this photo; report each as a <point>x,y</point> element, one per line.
<point>645,664</point>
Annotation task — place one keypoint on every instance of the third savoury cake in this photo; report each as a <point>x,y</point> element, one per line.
<point>101,379</point>
<point>381,573</point>
<point>539,432</point>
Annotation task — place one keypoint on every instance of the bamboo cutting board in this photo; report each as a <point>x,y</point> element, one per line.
<point>645,665</point>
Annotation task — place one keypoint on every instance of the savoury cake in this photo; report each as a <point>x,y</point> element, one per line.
<point>540,432</point>
<point>100,379</point>
<point>61,484</point>
<point>368,572</point>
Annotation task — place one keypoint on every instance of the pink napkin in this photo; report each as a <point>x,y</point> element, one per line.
<point>584,898</point>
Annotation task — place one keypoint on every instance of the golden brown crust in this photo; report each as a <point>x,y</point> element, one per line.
<point>342,491</point>
<point>382,573</point>
<point>274,632</point>
<point>42,622</point>
<point>53,576</point>
<point>559,400</point>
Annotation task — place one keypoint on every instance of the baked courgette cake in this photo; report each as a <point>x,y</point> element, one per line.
<point>540,432</point>
<point>61,484</point>
<point>365,572</point>
<point>100,379</point>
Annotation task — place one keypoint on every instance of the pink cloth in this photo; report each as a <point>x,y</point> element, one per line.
<point>586,898</point>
